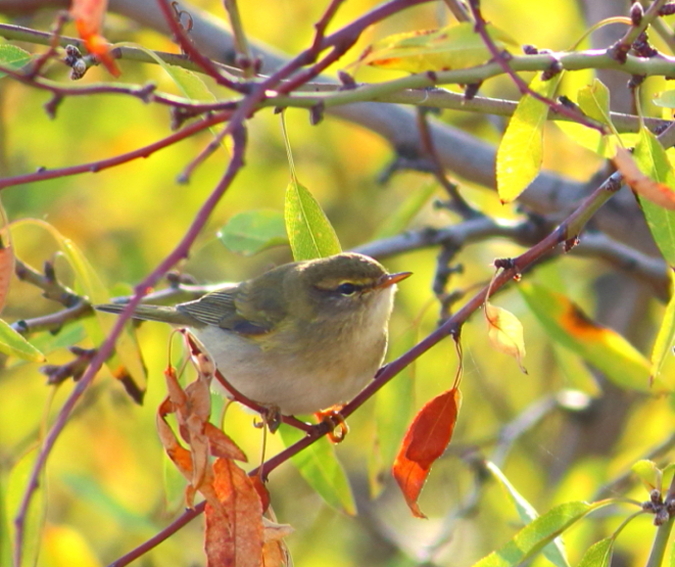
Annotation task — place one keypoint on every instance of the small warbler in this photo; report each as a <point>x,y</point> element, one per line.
<point>301,337</point>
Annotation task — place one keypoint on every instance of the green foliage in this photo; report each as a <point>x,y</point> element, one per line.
<point>653,161</point>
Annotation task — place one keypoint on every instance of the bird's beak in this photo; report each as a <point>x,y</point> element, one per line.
<point>388,280</point>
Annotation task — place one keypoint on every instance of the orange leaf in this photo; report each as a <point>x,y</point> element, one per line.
<point>275,553</point>
<point>506,333</point>
<point>221,445</point>
<point>658,193</point>
<point>88,16</point>
<point>235,537</point>
<point>426,439</point>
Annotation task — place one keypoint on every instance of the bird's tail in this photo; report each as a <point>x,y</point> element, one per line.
<point>152,313</point>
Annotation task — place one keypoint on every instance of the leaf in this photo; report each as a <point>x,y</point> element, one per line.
<point>521,150</point>
<point>234,533</point>
<point>309,231</point>
<point>251,232</point>
<point>506,333</point>
<point>555,551</point>
<point>13,57</point>
<point>599,554</point>
<point>453,47</point>
<point>319,466</point>
<point>14,344</point>
<point>401,218</point>
<point>658,193</point>
<point>665,99</point>
<point>664,339</point>
<point>424,442</point>
<point>650,475</point>
<point>653,161</point>
<point>602,347</point>
<point>593,100</point>
<point>88,16</point>
<point>533,537</point>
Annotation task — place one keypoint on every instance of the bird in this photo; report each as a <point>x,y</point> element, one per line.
<point>300,338</point>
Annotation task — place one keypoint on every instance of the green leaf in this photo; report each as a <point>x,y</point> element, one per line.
<point>650,475</point>
<point>593,100</point>
<point>14,344</point>
<point>521,149</point>
<point>319,466</point>
<point>400,219</point>
<point>653,162</point>
<point>664,338</point>
<point>251,232</point>
<point>453,47</point>
<point>533,537</point>
<point>309,231</point>
<point>13,57</point>
<point>605,349</point>
<point>189,83</point>
<point>554,551</point>
<point>599,554</point>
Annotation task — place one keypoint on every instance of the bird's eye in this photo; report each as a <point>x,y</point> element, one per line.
<point>347,288</point>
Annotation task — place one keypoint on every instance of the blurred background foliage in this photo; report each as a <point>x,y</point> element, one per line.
<point>108,486</point>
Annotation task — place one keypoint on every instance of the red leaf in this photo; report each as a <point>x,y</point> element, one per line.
<point>426,439</point>
<point>88,16</point>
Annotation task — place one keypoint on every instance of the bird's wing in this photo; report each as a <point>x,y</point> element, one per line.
<point>219,308</point>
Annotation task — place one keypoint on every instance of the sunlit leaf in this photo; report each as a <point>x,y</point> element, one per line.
<point>593,100</point>
<point>13,57</point>
<point>648,473</point>
<point>554,551</point>
<point>424,442</point>
<point>14,344</point>
<point>602,347</point>
<point>505,333</point>
<point>453,47</point>
<point>653,162</point>
<point>88,16</point>
<point>521,149</point>
<point>665,99</point>
<point>532,538</point>
<point>599,554</point>
<point>309,231</point>
<point>663,344</point>
<point>64,545</point>
<point>251,232</point>
<point>319,466</point>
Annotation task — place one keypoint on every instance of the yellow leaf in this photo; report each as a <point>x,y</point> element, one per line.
<point>506,333</point>
<point>452,47</point>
